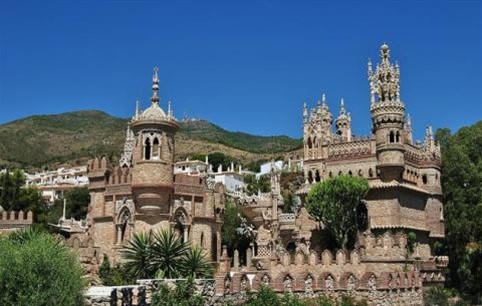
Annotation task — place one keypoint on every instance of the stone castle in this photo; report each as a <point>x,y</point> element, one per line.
<point>143,193</point>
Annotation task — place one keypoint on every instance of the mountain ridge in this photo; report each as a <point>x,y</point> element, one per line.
<point>73,137</point>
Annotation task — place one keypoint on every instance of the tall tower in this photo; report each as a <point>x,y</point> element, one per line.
<point>152,159</point>
<point>388,114</point>
<point>343,123</point>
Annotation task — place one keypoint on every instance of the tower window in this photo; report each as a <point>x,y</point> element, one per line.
<point>370,172</point>
<point>309,143</point>
<point>155,148</point>
<point>424,179</point>
<point>392,137</point>
<point>147,149</point>
<point>310,177</point>
<point>398,136</point>
<point>317,176</point>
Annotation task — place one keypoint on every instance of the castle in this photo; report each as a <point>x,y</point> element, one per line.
<point>143,193</point>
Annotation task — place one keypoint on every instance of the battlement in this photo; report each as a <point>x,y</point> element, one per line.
<point>119,176</point>
<point>14,220</point>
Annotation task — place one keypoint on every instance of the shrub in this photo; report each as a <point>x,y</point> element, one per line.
<point>182,295</point>
<point>37,270</point>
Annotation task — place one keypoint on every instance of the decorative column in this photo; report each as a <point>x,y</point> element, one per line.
<point>236,259</point>
<point>186,234</point>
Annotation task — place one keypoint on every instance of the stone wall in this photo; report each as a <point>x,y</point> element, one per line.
<point>141,294</point>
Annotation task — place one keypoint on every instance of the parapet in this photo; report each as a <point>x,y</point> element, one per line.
<point>15,220</point>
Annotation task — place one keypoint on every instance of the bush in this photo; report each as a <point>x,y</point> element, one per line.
<point>37,270</point>
<point>182,295</point>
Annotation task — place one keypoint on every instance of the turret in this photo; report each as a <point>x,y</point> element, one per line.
<point>388,116</point>
<point>317,128</point>
<point>153,155</point>
<point>343,123</point>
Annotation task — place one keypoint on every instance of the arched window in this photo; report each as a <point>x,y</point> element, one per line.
<point>317,176</point>
<point>310,145</point>
<point>156,152</point>
<point>330,174</point>
<point>201,241</point>
<point>392,137</point>
<point>424,179</point>
<point>310,177</point>
<point>398,136</point>
<point>340,173</point>
<point>350,173</point>
<point>370,172</point>
<point>147,149</point>
<point>360,173</point>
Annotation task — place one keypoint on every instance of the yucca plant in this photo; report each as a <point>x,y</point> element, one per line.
<point>138,256</point>
<point>168,250</point>
<point>164,254</point>
<point>195,264</point>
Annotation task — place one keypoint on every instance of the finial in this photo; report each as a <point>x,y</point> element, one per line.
<point>169,110</point>
<point>155,86</point>
<point>305,112</point>
<point>323,98</point>
<point>138,110</point>
<point>370,70</point>
<point>342,107</point>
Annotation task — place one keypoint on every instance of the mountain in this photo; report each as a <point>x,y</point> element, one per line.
<point>72,138</point>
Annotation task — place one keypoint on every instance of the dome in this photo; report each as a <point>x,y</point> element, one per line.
<point>384,47</point>
<point>154,112</point>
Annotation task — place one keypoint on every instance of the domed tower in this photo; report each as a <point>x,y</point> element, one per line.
<point>153,158</point>
<point>388,114</point>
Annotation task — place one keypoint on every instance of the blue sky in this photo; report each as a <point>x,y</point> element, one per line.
<point>243,65</point>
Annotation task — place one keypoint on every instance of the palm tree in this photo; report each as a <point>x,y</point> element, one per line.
<point>195,264</point>
<point>168,250</point>
<point>138,256</point>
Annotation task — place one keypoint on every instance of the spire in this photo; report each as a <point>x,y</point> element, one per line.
<point>385,53</point>
<point>169,111</point>
<point>408,123</point>
<point>138,110</point>
<point>155,86</point>
<point>305,113</point>
<point>385,80</point>
<point>342,107</point>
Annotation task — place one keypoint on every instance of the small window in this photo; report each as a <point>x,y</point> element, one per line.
<point>155,148</point>
<point>147,149</point>
<point>370,172</point>
<point>317,176</point>
<point>424,179</point>
<point>392,137</point>
<point>350,173</point>
<point>398,136</point>
<point>310,177</point>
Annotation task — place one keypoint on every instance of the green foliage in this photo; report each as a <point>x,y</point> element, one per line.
<point>461,185</point>
<point>182,295</point>
<point>14,197</point>
<point>437,296</point>
<point>113,276</point>
<point>253,184</point>
<point>264,297</point>
<point>231,221</point>
<point>216,159</point>
<point>37,270</point>
<point>290,182</point>
<point>78,200</point>
<point>347,300</point>
<point>411,242</point>
<point>334,202</point>
<point>163,254</point>
<point>195,264</point>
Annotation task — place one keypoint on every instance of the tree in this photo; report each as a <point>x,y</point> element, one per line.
<point>35,269</point>
<point>78,200</point>
<point>163,254</point>
<point>334,202</point>
<point>230,236</point>
<point>461,185</point>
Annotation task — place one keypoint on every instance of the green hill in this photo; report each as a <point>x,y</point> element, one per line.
<point>72,138</point>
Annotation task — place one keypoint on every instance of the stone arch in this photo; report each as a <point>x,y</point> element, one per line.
<point>310,177</point>
<point>317,176</point>
<point>244,284</point>
<point>156,148</point>
<point>310,143</point>
<point>349,281</point>
<point>307,282</point>
<point>391,137</point>
<point>287,282</point>
<point>124,219</point>
<point>369,281</point>
<point>327,281</point>
<point>147,149</point>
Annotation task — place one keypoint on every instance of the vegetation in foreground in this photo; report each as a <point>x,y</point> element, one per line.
<point>37,270</point>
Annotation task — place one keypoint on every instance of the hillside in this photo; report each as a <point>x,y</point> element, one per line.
<point>72,138</point>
